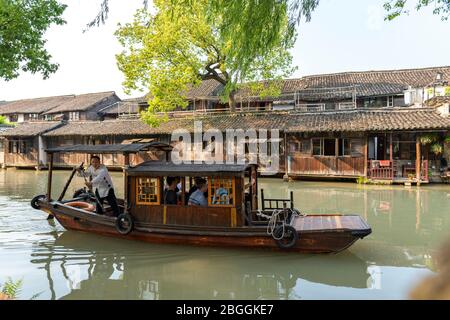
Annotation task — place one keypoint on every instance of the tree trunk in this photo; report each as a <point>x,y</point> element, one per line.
<point>232,101</point>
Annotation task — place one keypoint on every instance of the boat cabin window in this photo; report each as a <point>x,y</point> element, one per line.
<point>221,191</point>
<point>172,191</point>
<point>148,191</point>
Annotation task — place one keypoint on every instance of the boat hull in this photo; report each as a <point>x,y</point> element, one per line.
<point>310,241</point>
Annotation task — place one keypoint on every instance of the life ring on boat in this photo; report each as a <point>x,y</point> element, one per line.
<point>81,205</point>
<point>35,201</point>
<point>287,240</point>
<point>124,223</point>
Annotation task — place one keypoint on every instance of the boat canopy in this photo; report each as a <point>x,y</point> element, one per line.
<point>159,168</point>
<point>112,148</point>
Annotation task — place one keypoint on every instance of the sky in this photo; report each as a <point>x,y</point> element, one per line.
<point>343,35</point>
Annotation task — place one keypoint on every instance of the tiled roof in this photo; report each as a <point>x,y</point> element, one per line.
<point>208,88</point>
<point>82,102</point>
<point>437,101</point>
<point>37,105</point>
<point>339,85</point>
<point>370,120</point>
<point>122,107</point>
<point>30,129</point>
<point>365,83</point>
<point>342,121</point>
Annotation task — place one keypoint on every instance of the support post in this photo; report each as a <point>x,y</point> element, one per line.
<point>263,206</point>
<point>286,164</point>
<point>391,156</point>
<point>183,191</point>
<point>49,183</point>
<point>418,158</point>
<point>292,199</point>
<point>50,176</point>
<point>366,156</point>
<point>125,182</point>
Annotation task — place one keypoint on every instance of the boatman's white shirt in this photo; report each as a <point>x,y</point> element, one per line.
<point>101,180</point>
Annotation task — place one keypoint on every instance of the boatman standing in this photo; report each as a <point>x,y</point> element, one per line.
<point>101,183</point>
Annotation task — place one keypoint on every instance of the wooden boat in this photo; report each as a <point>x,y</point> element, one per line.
<point>232,217</point>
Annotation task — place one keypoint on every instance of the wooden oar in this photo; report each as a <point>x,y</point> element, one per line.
<point>63,193</point>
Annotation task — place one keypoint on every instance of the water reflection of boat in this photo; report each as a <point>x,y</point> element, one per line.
<point>114,270</point>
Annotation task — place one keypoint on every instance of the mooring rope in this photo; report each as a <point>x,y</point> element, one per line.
<point>274,219</point>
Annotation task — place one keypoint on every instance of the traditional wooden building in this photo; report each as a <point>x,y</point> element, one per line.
<point>102,132</point>
<point>26,110</point>
<point>343,125</point>
<point>378,144</point>
<point>375,144</point>
<point>24,145</point>
<point>83,107</point>
<point>69,107</point>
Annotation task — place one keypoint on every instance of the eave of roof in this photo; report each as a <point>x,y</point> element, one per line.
<point>359,120</point>
<point>82,102</point>
<point>31,129</point>
<point>169,168</point>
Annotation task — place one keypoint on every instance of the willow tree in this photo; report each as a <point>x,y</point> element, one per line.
<point>23,24</point>
<point>183,44</point>
<point>396,8</point>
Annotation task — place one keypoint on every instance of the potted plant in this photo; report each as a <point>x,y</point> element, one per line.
<point>437,148</point>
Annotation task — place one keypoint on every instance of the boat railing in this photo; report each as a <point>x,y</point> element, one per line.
<point>276,204</point>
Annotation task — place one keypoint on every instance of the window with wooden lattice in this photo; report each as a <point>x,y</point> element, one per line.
<point>221,191</point>
<point>147,191</point>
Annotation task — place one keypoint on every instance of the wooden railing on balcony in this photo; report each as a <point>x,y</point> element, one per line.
<point>391,170</point>
<point>380,170</point>
<point>316,107</point>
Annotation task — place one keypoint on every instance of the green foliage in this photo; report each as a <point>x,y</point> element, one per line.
<point>447,91</point>
<point>186,42</point>
<point>23,24</point>
<point>362,180</point>
<point>428,138</point>
<point>3,120</point>
<point>11,289</point>
<point>396,8</point>
<point>447,139</point>
<point>437,148</point>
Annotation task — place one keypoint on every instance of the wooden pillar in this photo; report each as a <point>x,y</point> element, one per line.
<point>366,155</point>
<point>391,156</point>
<point>125,182</point>
<point>254,187</point>
<point>286,165</point>
<point>50,176</point>
<point>183,190</point>
<point>418,157</point>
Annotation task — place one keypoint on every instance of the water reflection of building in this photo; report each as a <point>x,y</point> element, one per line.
<point>128,271</point>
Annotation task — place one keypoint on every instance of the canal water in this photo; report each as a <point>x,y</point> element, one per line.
<point>408,225</point>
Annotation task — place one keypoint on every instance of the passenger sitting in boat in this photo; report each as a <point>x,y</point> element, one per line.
<point>194,188</point>
<point>198,197</point>
<point>170,194</point>
<point>101,183</point>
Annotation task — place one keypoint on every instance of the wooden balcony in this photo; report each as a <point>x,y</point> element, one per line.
<point>318,107</point>
<point>397,170</point>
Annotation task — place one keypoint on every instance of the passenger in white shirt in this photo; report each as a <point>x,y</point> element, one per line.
<point>101,183</point>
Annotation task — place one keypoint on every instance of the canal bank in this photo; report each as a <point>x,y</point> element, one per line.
<point>408,225</point>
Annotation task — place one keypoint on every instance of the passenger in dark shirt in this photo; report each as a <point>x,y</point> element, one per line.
<point>170,194</point>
